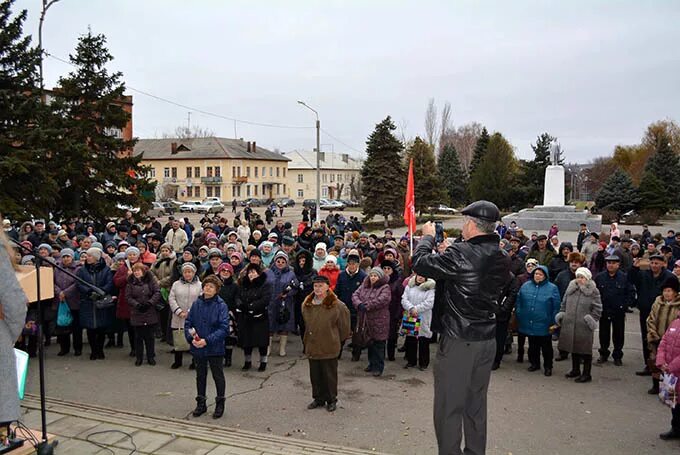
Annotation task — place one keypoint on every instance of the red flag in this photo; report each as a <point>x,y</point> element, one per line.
<point>410,204</point>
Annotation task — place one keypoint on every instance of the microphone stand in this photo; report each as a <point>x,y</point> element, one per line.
<point>45,447</point>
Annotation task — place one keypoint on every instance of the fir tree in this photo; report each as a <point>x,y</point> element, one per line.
<point>653,198</point>
<point>617,195</point>
<point>480,150</point>
<point>383,173</point>
<point>533,175</point>
<point>27,188</point>
<point>95,176</point>
<point>495,173</point>
<point>664,163</point>
<point>428,186</point>
<point>454,178</point>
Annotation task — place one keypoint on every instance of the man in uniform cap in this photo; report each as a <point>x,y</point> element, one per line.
<point>470,279</point>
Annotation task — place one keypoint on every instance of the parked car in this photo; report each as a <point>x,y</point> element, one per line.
<point>210,207</point>
<point>253,202</point>
<point>442,208</point>
<point>332,204</point>
<point>309,203</point>
<point>212,198</point>
<point>127,208</point>
<point>170,207</point>
<point>349,202</point>
<point>190,206</point>
<point>285,202</point>
<point>157,209</point>
<point>629,216</point>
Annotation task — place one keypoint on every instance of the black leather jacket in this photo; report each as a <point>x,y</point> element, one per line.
<point>470,278</point>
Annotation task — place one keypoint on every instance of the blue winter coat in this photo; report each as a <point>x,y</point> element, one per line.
<point>210,319</point>
<point>537,305</point>
<point>279,279</point>
<point>101,276</point>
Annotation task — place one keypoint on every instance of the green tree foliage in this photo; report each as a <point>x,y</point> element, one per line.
<point>27,187</point>
<point>383,173</point>
<point>617,195</point>
<point>95,177</point>
<point>428,185</point>
<point>664,163</point>
<point>653,197</point>
<point>533,172</point>
<point>495,174</point>
<point>480,150</point>
<point>454,178</point>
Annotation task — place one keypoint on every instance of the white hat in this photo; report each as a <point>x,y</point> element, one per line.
<point>320,246</point>
<point>331,258</point>
<point>584,272</point>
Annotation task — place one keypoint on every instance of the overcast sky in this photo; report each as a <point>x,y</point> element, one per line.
<point>594,74</point>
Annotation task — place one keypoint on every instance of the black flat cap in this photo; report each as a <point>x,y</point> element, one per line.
<point>483,210</point>
<point>321,279</point>
<point>660,257</point>
<point>542,237</point>
<point>612,258</point>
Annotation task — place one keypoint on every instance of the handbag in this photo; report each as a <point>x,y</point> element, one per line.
<point>362,335</point>
<point>104,302</point>
<point>667,392</point>
<point>410,326</point>
<point>64,316</point>
<point>179,342</point>
<point>284,313</point>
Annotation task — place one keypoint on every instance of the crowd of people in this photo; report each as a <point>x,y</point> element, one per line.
<point>217,286</point>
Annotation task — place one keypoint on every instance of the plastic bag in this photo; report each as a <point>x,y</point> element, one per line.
<point>64,316</point>
<point>667,391</point>
<point>410,326</point>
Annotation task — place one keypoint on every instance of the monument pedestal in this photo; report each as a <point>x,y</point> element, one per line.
<point>542,217</point>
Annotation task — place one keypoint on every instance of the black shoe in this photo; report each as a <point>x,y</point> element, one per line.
<point>119,344</point>
<point>110,344</point>
<point>262,367</point>
<point>391,358</point>
<point>227,357</point>
<point>78,353</point>
<point>402,349</point>
<point>138,362</point>
<point>355,358</point>
<point>561,358</point>
<point>495,366</point>
<point>151,361</point>
<point>101,356</point>
<point>332,406</point>
<point>227,362</point>
<point>573,374</point>
<point>547,372</point>
<point>368,369</point>
<point>602,359</point>
<point>377,373</point>
<point>520,358</point>
<point>534,368</point>
<point>422,368</point>
<point>219,408</point>
<point>315,404</point>
<point>644,372</point>
<point>654,390</point>
<point>584,378</point>
<point>93,356</point>
<point>201,408</point>
<point>192,365</point>
<point>176,365</point>
<point>618,362</point>
<point>508,349</point>
<point>62,353</point>
<point>246,366</point>
<point>132,353</point>
<point>409,365</point>
<point>672,434</point>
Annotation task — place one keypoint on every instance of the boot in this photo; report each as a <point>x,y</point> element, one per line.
<point>520,355</point>
<point>575,368</point>
<point>219,407</point>
<point>271,341</point>
<point>263,366</point>
<point>178,361</point>
<point>201,408</point>
<point>563,356</point>
<point>282,345</point>
<point>246,366</point>
<point>227,357</point>
<point>655,387</point>
<point>672,434</point>
<point>587,364</point>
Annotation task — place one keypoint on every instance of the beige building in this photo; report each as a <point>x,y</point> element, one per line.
<point>193,169</point>
<point>340,175</point>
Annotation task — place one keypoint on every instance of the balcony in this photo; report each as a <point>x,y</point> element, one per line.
<point>217,180</point>
<point>240,179</point>
<point>171,180</point>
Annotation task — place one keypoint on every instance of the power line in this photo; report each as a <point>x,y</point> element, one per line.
<point>341,142</point>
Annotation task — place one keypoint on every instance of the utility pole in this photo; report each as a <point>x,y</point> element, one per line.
<point>45,6</point>
<point>189,122</point>
<point>318,160</point>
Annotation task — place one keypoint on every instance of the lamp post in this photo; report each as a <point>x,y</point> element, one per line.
<point>318,161</point>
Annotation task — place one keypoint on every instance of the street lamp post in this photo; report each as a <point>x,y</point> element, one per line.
<point>318,160</point>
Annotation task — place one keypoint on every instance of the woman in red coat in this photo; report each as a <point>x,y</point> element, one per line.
<point>331,270</point>
<point>373,297</point>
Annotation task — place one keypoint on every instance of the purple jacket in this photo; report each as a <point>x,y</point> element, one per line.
<point>67,285</point>
<point>377,300</point>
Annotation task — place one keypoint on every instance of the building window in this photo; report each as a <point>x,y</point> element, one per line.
<point>264,188</point>
<point>256,169</point>
<point>188,191</point>
<point>238,171</point>
<point>208,191</point>
<point>271,171</point>
<point>197,172</point>
<point>248,171</point>
<point>284,188</point>
<point>324,191</point>
<point>264,172</point>
<point>218,171</point>
<point>238,191</point>
<point>277,171</point>
<point>278,189</point>
<point>233,191</point>
<point>233,172</point>
<point>301,194</point>
<point>218,191</point>
<point>332,178</point>
<point>208,171</point>
<point>248,190</point>
<point>284,172</point>
<point>189,169</point>
<point>151,173</point>
<point>300,178</point>
<point>324,178</point>
<point>166,172</point>
<point>256,187</point>
<point>197,191</point>
<point>339,177</point>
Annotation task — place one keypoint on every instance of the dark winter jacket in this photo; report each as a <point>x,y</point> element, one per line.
<point>120,280</point>
<point>508,299</point>
<point>210,319</point>
<point>563,279</point>
<point>68,285</point>
<point>376,298</point>
<point>557,265</point>
<point>304,275</point>
<point>616,292</point>
<point>647,286</point>
<point>143,295</point>
<point>251,311</point>
<point>347,285</point>
<point>396,291</point>
<point>280,280</point>
<point>470,278</point>
<point>99,275</point>
<point>229,293</point>
<point>537,305</point>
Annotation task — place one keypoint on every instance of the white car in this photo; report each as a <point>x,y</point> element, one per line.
<point>210,206</point>
<point>190,206</point>
<point>134,210</point>
<point>442,208</point>
<point>331,204</point>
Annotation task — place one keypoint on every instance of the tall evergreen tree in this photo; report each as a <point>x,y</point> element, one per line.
<point>617,195</point>
<point>383,173</point>
<point>480,150</point>
<point>454,178</point>
<point>27,188</point>
<point>495,173</point>
<point>664,163</point>
<point>428,185</point>
<point>533,179</point>
<point>95,176</point>
<point>653,197</point>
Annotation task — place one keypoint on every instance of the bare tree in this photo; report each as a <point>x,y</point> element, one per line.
<point>431,128</point>
<point>184,132</point>
<point>464,138</point>
<point>445,125</point>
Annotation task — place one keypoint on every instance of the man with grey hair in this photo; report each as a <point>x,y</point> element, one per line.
<point>470,277</point>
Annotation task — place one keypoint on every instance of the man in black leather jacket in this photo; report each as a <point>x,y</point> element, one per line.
<point>470,279</point>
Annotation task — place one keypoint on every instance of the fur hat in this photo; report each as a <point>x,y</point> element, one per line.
<point>576,257</point>
<point>95,253</point>
<point>584,272</point>
<point>212,279</point>
<point>671,282</point>
<point>388,263</point>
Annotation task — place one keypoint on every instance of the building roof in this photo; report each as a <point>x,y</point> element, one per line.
<point>328,160</point>
<point>203,148</point>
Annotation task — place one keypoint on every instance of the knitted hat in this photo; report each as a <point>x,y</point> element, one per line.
<point>26,259</point>
<point>320,246</point>
<point>584,272</point>
<point>331,258</point>
<point>45,246</point>
<point>95,253</point>
<point>214,253</point>
<point>189,265</point>
<point>281,254</point>
<point>388,263</point>
<point>132,250</point>
<point>255,252</point>
<point>532,261</point>
<point>236,254</point>
<point>67,252</point>
<point>120,256</point>
<point>225,266</point>
<point>377,271</point>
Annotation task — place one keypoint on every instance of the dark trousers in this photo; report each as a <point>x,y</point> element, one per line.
<point>393,337</point>
<point>612,325</point>
<point>145,336</point>
<point>538,344</point>
<point>644,314</point>
<point>376,356</point>
<point>418,350</point>
<point>324,377</point>
<point>461,381</point>
<point>96,339</point>
<point>675,421</point>
<point>501,338</point>
<point>299,321</point>
<point>64,339</point>
<point>215,363</point>
<point>248,353</point>
<point>125,326</point>
<point>521,340</point>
